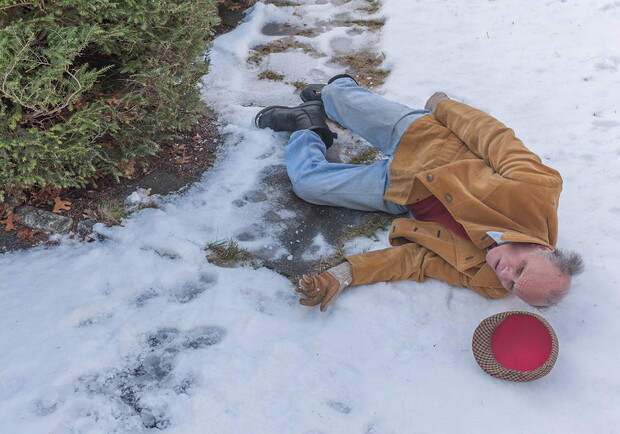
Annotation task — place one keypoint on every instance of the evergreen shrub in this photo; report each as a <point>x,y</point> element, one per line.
<point>88,85</point>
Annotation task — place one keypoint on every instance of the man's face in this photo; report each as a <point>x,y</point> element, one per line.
<point>524,273</point>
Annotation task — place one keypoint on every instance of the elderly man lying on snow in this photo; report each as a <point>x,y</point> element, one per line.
<point>484,206</point>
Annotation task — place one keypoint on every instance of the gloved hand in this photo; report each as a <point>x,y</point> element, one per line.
<point>435,99</point>
<point>324,287</point>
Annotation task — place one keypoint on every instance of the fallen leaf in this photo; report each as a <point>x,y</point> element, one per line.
<point>44,194</point>
<point>9,222</point>
<point>184,160</point>
<point>30,236</point>
<point>178,149</point>
<point>128,168</point>
<point>197,138</point>
<point>90,214</point>
<point>61,205</point>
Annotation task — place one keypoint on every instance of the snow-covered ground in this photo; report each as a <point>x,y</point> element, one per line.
<point>139,330</point>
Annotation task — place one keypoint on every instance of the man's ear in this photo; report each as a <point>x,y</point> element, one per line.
<point>546,248</point>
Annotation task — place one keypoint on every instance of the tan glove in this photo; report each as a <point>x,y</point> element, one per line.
<point>435,99</point>
<point>324,287</point>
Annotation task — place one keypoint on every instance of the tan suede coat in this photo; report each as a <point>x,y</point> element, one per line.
<point>487,179</point>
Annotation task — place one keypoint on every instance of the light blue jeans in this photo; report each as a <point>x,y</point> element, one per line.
<point>381,122</point>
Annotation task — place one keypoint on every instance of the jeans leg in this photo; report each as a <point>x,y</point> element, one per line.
<point>318,181</point>
<point>381,122</point>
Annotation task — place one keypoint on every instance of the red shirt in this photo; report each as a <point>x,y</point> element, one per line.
<point>432,210</point>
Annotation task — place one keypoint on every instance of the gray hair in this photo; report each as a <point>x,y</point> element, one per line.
<point>568,263</point>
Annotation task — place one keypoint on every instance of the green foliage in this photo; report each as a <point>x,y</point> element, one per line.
<point>87,85</point>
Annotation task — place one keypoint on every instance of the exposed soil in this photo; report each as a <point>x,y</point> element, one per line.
<point>178,164</point>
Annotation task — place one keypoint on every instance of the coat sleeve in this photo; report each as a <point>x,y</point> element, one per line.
<point>410,262</point>
<point>496,144</point>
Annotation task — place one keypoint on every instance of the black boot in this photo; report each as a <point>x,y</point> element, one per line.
<point>307,116</point>
<point>312,92</point>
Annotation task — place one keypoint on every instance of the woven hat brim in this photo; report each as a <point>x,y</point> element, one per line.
<point>481,346</point>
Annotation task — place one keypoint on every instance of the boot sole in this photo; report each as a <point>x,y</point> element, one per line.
<point>266,109</point>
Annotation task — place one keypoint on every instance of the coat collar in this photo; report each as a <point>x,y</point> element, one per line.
<point>516,237</point>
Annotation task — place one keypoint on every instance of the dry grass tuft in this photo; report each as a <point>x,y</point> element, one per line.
<point>372,8</point>
<point>367,156</point>
<point>277,46</point>
<point>270,75</point>
<point>368,229</point>
<point>365,67</point>
<point>227,253</point>
<point>111,212</point>
<point>369,24</point>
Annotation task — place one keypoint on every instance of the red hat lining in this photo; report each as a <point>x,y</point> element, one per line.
<point>521,342</point>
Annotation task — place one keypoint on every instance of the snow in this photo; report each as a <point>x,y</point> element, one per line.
<point>138,330</point>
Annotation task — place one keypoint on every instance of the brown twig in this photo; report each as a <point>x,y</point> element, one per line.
<point>18,4</point>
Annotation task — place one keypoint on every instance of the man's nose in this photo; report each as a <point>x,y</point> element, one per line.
<point>506,272</point>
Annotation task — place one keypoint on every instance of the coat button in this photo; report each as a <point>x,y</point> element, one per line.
<point>430,177</point>
<point>448,198</point>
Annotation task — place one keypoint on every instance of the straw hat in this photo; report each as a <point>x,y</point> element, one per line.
<point>515,346</point>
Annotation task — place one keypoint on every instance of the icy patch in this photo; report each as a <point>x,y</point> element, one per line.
<point>140,198</point>
<point>319,248</point>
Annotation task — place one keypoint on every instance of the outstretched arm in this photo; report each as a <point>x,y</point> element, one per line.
<point>406,262</point>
